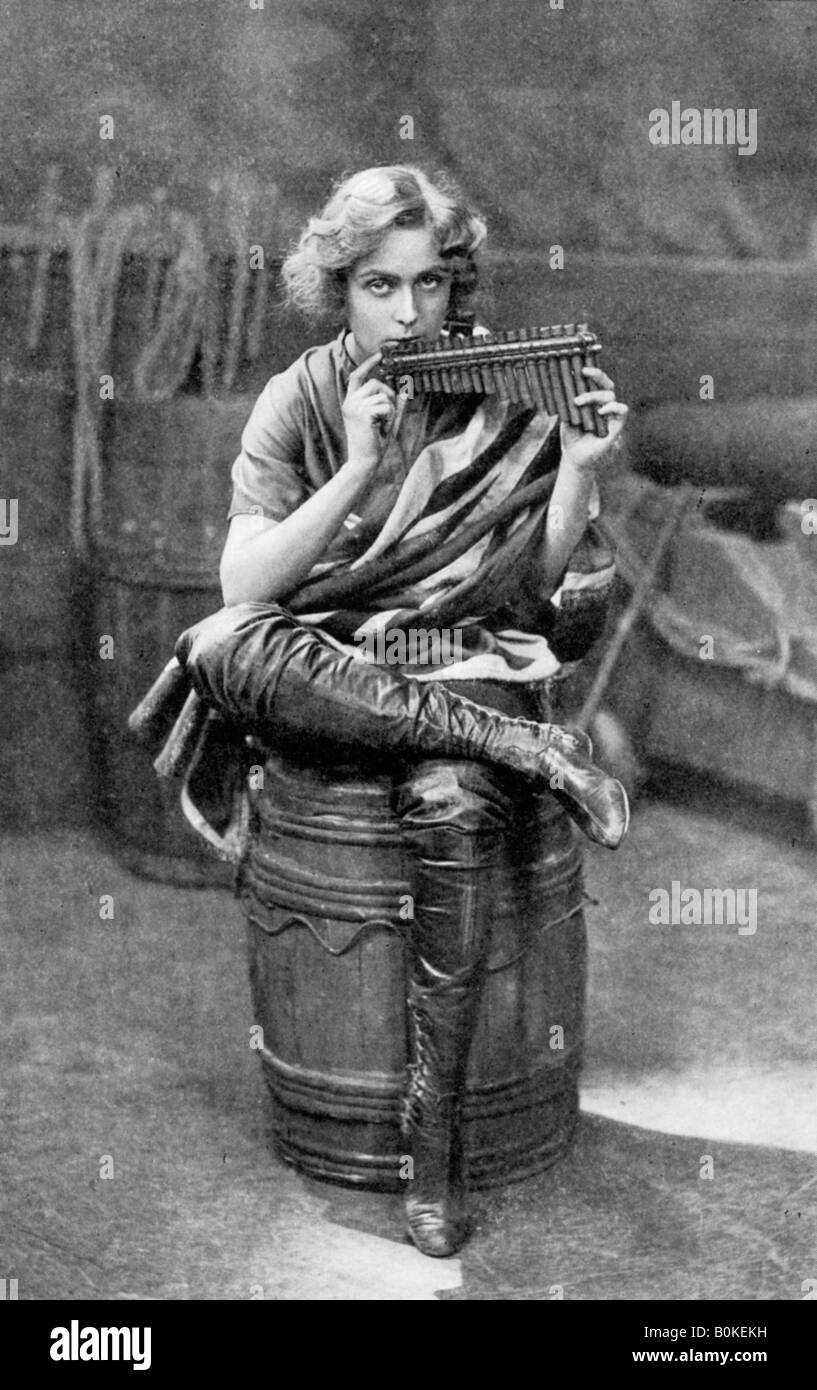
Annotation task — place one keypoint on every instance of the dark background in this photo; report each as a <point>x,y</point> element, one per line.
<point>542,113</point>
<point>129,1037</point>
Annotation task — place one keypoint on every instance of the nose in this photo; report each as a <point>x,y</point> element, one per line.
<point>406,312</point>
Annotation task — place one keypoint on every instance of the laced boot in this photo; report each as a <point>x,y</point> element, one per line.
<point>596,802</point>
<point>261,669</point>
<point>454,818</point>
<point>444,1014</point>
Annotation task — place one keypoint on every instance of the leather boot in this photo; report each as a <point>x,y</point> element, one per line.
<point>265,672</point>
<point>454,818</point>
<point>443,1014</point>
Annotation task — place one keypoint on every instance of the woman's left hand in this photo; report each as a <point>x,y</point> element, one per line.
<point>585,450</point>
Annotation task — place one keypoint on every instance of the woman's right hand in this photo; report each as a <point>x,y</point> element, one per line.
<point>368,415</point>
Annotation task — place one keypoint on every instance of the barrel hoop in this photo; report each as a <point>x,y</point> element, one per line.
<point>268,872</point>
<point>341,783</point>
<point>271,895</point>
<point>386,1110</point>
<point>369,1110</point>
<point>372,1086</point>
<point>478,1161</point>
<point>327,796</point>
<point>336,804</point>
<point>350,1095</point>
<point>536,935</point>
<point>344,1157</point>
<point>340,1165</point>
<point>382,1173</point>
<point>296,919</point>
<point>340,830</point>
<point>343,828</point>
<point>336,781</point>
<point>379,1109</point>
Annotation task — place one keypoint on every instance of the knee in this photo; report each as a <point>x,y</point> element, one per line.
<point>466,797</point>
<point>215,638</point>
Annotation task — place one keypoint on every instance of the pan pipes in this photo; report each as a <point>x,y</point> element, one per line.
<point>541,367</point>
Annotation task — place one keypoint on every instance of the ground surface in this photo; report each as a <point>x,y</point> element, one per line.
<point>125,1045</point>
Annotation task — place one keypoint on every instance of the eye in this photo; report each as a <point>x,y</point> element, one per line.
<point>432,280</point>
<point>380,287</point>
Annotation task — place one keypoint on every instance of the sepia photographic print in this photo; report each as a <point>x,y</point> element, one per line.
<point>408,565</point>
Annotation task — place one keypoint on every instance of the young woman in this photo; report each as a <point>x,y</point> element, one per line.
<point>357,515</point>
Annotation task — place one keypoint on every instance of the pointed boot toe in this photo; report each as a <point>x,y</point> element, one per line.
<point>437,1227</point>
<point>602,812</point>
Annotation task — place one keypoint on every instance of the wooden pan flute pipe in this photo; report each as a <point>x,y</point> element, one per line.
<point>536,366</point>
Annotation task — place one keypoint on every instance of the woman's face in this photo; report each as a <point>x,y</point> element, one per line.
<point>399,291</point>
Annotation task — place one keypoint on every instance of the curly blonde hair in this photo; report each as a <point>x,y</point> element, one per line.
<point>363,208</point>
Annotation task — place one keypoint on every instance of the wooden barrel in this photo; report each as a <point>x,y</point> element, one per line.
<point>325,890</point>
<point>166,490</point>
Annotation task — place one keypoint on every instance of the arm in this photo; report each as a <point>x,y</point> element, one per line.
<point>582,455</point>
<point>264,560</point>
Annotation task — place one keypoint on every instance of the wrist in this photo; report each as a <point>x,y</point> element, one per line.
<point>579,459</point>
<point>581,471</point>
<point>360,466</point>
